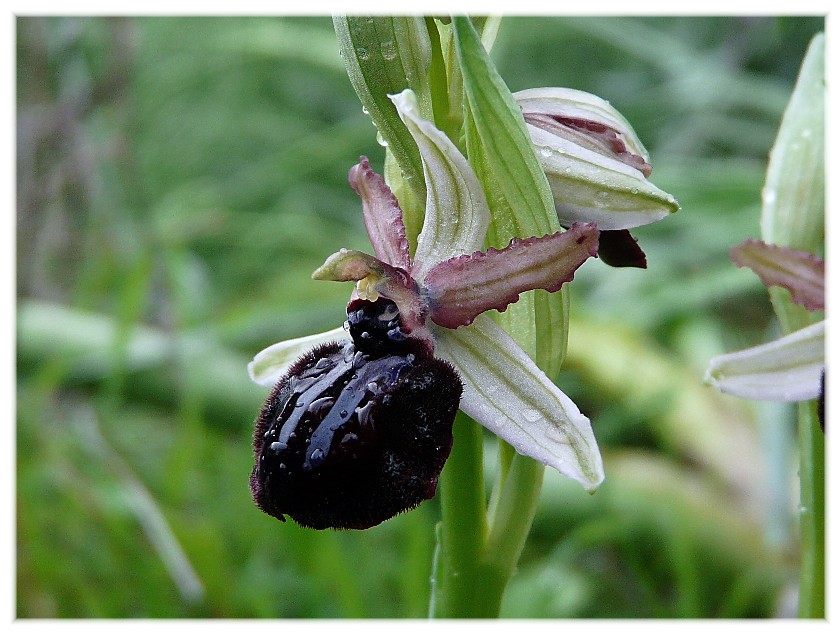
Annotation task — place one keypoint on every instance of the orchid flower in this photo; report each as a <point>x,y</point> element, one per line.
<point>790,368</point>
<point>441,293</point>
<point>596,166</point>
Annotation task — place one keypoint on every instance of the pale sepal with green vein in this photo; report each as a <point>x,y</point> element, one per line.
<point>786,369</point>
<point>506,391</point>
<point>270,364</point>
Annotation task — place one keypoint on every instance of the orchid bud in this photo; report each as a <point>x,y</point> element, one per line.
<point>595,164</point>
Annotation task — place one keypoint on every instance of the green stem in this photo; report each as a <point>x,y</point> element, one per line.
<point>464,528</point>
<point>812,513</point>
<point>473,564</point>
<point>811,476</point>
<point>511,522</point>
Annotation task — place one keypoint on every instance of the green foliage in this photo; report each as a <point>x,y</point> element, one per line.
<point>178,181</point>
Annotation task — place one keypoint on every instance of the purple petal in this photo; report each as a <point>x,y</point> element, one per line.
<point>595,136</point>
<point>373,278</point>
<point>383,216</point>
<point>461,288</point>
<point>803,274</point>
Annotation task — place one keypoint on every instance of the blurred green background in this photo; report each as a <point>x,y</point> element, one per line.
<point>178,179</point>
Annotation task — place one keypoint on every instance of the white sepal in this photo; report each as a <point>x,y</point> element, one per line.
<point>505,391</point>
<point>271,364</point>
<point>787,369</point>
<point>457,215</point>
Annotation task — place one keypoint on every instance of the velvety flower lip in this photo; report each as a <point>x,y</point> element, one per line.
<point>443,291</point>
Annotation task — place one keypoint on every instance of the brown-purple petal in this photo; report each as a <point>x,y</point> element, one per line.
<point>803,274</point>
<point>461,288</point>
<point>382,214</point>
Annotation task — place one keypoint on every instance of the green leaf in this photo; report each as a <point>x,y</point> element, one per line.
<point>793,209</point>
<point>385,55</point>
<point>518,193</point>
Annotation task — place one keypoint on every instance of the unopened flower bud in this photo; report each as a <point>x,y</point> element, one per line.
<point>596,165</point>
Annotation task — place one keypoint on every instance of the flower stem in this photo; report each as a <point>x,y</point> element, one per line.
<point>474,562</point>
<point>812,513</point>
<point>463,533</point>
<point>512,518</point>
<point>811,476</point>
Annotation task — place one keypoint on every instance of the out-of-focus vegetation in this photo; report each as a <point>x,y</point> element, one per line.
<point>179,179</point>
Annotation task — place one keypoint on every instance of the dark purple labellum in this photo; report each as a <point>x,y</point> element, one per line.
<point>355,433</point>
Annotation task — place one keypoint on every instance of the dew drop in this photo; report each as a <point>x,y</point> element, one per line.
<point>317,454</point>
<point>277,446</point>
<point>389,51</point>
<point>320,404</point>
<point>363,53</point>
